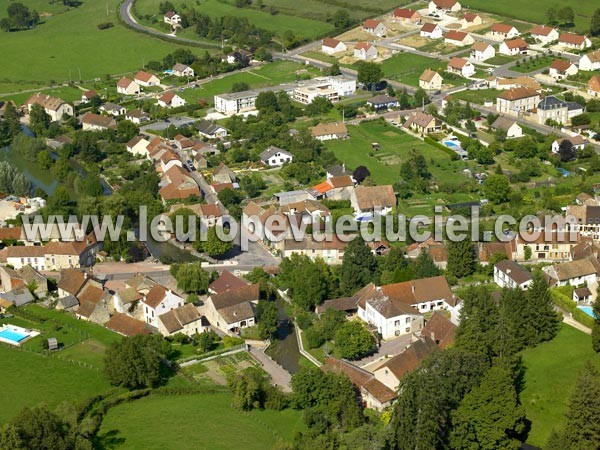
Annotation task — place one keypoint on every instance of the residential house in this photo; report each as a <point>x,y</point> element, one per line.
<point>329,131</point>
<point>93,312</point>
<point>88,95</point>
<point>503,84</point>
<point>172,18</point>
<point>146,79</point>
<point>586,199</point>
<point>436,251</point>
<point>25,277</point>
<point>391,371</point>
<point>183,143</point>
<point>511,127</point>
<point>442,7</point>
<point>275,157</point>
<point>185,320</point>
<point>55,107</point>
<point>346,304</point>
<point>574,273</point>
<point>96,122</point>
<point>126,86</point>
<point>182,70</point>
<point>585,219</point>
<point>578,143</point>
<point>365,51</point>
<point>551,246</point>
<point>331,46</point>
<point>461,67</point>
<point>223,174</point>
<point>137,116</point>
<point>430,80</point>
<point>502,31</point>
<point>422,123</point>
<point>511,274</point>
<point>17,297</point>
<point>113,109</point>
<point>458,38</point>
<point>514,47</point>
<point>594,86</point>
<point>374,27</point>
<point>562,68</point>
<point>336,188</point>
<point>590,61</point>
<point>406,15</point>
<point>127,326</point>
<point>482,51</point>
<point>431,31</point>
<point>138,146</point>
<point>440,329</point>
<point>471,20</point>
<point>575,41</point>
<point>239,56</point>
<point>383,101</point>
<point>582,295</point>
<point>517,101</point>
<point>210,130</point>
<point>127,301</point>
<point>158,301</point>
<point>171,100</point>
<point>71,282</point>
<point>233,309</point>
<point>373,393</point>
<point>169,159</point>
<point>225,282</point>
<point>543,34</point>
<point>330,249</point>
<point>553,109</point>
<point>368,201</point>
<point>180,185</point>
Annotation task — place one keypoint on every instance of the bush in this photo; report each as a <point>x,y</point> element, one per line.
<point>314,337</point>
<point>564,302</point>
<point>230,341</point>
<point>105,25</point>
<point>304,320</point>
<point>442,147</point>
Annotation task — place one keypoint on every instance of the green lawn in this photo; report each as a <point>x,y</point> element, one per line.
<point>479,96</point>
<point>551,371</point>
<point>205,421</point>
<point>69,40</point>
<point>500,60</point>
<point>407,68</point>
<point>395,145</point>
<point>533,63</point>
<point>31,378</point>
<point>270,74</point>
<point>535,10</point>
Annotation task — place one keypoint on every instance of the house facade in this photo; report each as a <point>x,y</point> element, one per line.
<point>374,27</point>
<point>275,157</point>
<point>431,31</point>
<point>159,300</point>
<point>517,101</point>
<point>544,35</point>
<point>482,51</point>
<point>590,61</point>
<point>430,80</point>
<point>512,275</point>
<point>331,46</point>
<point>365,51</point>
<point>55,107</point>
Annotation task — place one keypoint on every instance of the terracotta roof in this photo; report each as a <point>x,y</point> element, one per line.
<point>144,76</point>
<point>561,64</point>
<point>90,293</point>
<point>455,35</point>
<point>89,94</point>
<point>71,280</point>
<point>168,97</point>
<point>177,318</point>
<point>439,329</point>
<point>428,75</point>
<point>48,102</point>
<point>12,233</point>
<point>457,63</point>
<point>236,296</point>
<point>253,209</point>
<point>86,309</point>
<point>170,14</point>
<point>98,120</point>
<point>363,46</point>
<point>371,197</point>
<point>371,24</point>
<point>516,43</point>
<point>502,28</point>
<point>594,83</point>
<point>428,27</point>
<point>404,13</point>
<point>571,38</point>
<point>517,93</point>
<point>420,119</point>
<point>480,46</point>
<point>340,182</point>
<point>541,30</point>
<point>410,359</point>
<point>155,296</point>
<point>127,326</point>
<point>324,129</point>
<point>470,17</point>
<point>339,304</point>
<point>227,281</point>
<point>124,82</point>
<point>330,42</point>
<point>309,243</point>
<point>418,291</point>
<point>129,295</point>
<point>447,4</point>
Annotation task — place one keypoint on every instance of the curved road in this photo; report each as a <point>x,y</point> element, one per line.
<point>127,17</point>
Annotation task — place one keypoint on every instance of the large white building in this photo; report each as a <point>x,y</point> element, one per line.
<point>512,275</point>
<point>158,301</point>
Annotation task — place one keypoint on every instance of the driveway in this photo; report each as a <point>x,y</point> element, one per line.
<point>279,376</point>
<point>387,349</point>
<point>164,124</point>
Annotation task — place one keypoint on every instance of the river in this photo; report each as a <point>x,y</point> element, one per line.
<point>284,348</point>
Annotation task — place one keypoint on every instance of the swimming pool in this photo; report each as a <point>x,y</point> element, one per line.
<point>588,310</point>
<point>14,335</point>
<point>451,144</point>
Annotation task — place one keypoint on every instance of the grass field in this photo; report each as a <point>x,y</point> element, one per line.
<point>535,10</point>
<point>551,371</point>
<point>395,145</point>
<point>207,421</point>
<point>533,63</point>
<point>69,40</point>
<point>32,378</point>
<point>270,74</point>
<point>480,96</point>
<point>407,68</point>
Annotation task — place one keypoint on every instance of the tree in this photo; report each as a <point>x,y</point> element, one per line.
<point>461,258</point>
<point>360,173</point>
<point>191,278</point>
<point>19,17</point>
<point>248,389</point>
<point>39,120</point>
<point>353,340</point>
<point>165,6</point>
<point>566,16</point>
<point>205,341</point>
<point>306,280</point>
<point>334,70</point>
<point>319,105</point>
<point>551,15</point>
<point>341,19</point>
<point>253,184</point>
<point>369,74</point>
<point>214,246</point>
<point>595,23</point>
<point>425,266</point>
<point>137,362</point>
<point>596,327</point>
<point>497,188</point>
<point>266,101</point>
<point>490,416</point>
<point>541,315</point>
<point>358,266</point>
<point>566,151</point>
<point>421,97</point>
<point>267,315</point>
<point>582,428</point>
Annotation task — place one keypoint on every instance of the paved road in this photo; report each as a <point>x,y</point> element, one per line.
<point>388,349</point>
<point>279,376</point>
<point>164,124</point>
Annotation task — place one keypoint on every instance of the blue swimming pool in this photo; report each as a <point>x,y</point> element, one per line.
<point>12,336</point>
<point>588,310</point>
<point>451,144</point>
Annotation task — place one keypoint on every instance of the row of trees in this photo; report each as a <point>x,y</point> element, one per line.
<point>19,17</point>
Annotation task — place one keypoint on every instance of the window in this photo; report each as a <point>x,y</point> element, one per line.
<point>408,330</point>
<point>397,323</point>
<point>408,320</point>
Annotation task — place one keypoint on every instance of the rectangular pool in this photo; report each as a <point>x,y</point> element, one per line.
<point>588,310</point>
<point>13,335</point>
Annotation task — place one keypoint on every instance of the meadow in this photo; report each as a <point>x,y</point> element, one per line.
<point>69,41</point>
<point>208,422</point>
<point>407,68</point>
<point>550,373</point>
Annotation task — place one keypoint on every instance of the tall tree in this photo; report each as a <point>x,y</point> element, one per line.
<point>566,16</point>
<point>358,266</point>
<point>307,281</point>
<point>595,23</point>
<point>497,188</point>
<point>353,340</point>
<point>425,266</point>
<point>266,314</point>
<point>490,416</point>
<point>369,74</point>
<point>214,246</point>
<point>39,120</point>
<point>461,258</point>
<point>596,327</point>
<point>540,312</point>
